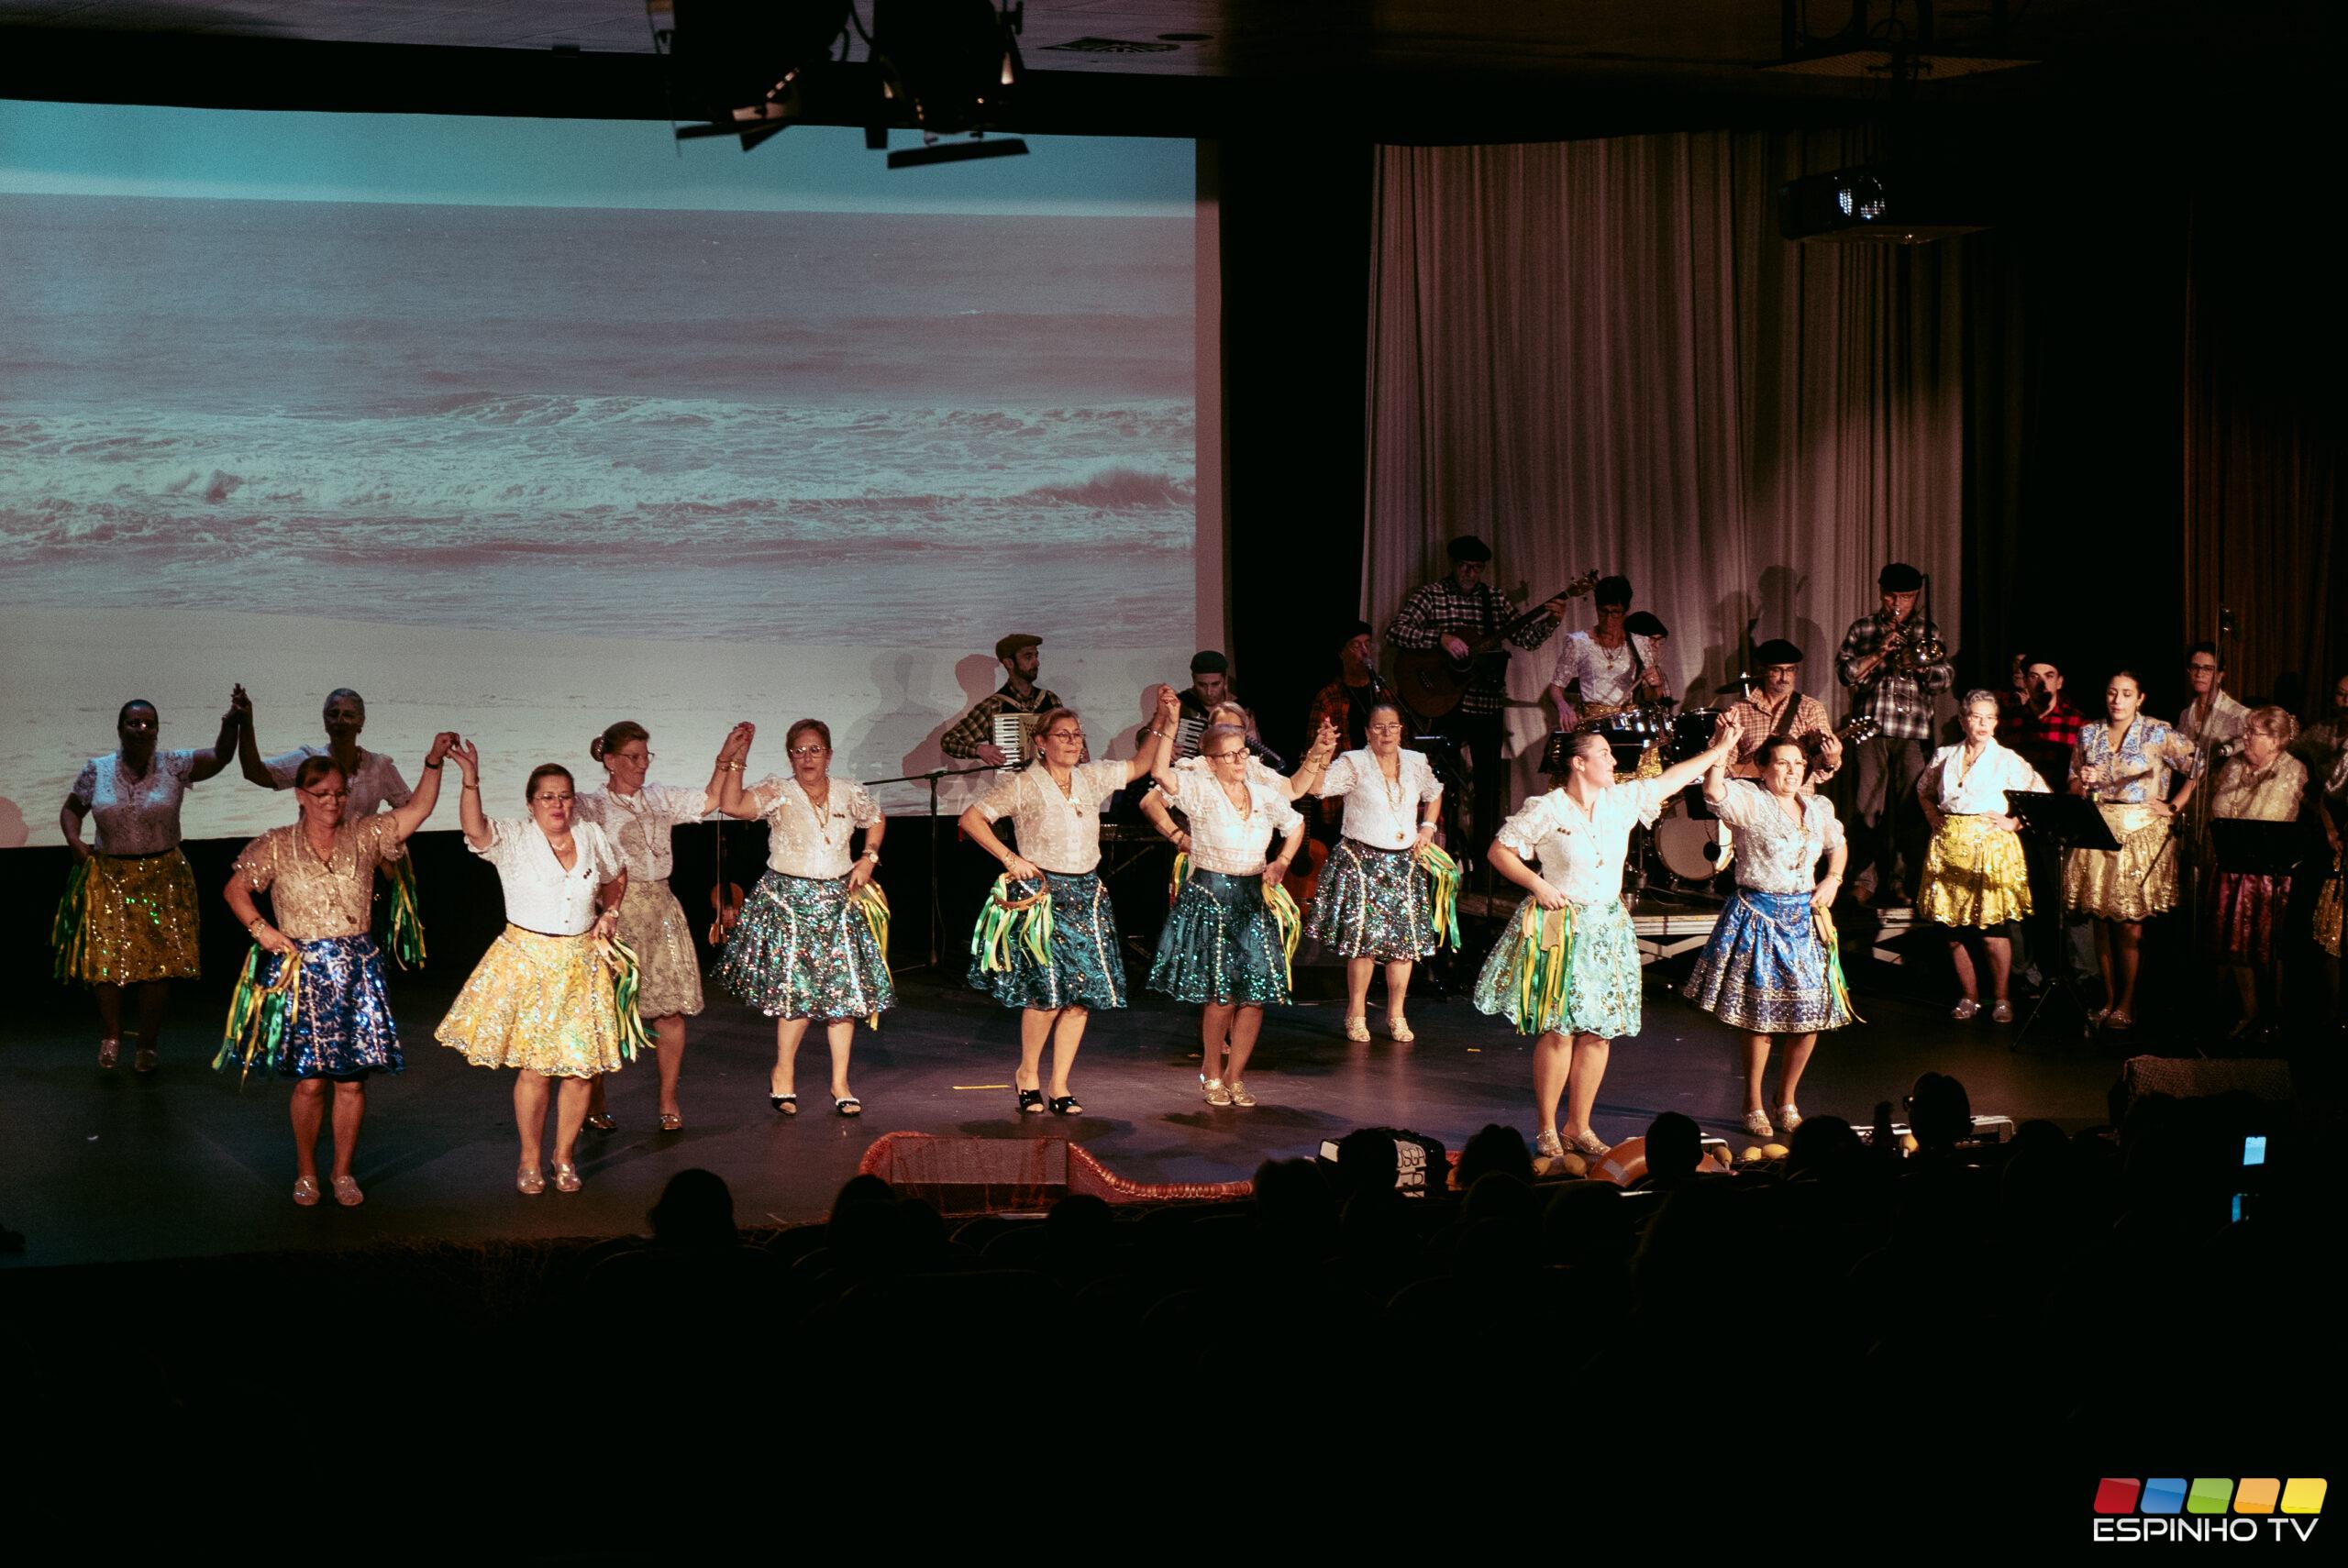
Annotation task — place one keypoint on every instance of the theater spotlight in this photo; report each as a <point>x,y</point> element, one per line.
<point>741,67</point>
<point>953,67</point>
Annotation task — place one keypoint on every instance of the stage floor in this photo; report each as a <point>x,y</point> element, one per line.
<point>107,1167</point>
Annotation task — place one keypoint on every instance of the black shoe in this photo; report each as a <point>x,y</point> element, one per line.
<point>1065,1105</point>
<point>849,1106</point>
<point>1031,1102</point>
<point>784,1104</point>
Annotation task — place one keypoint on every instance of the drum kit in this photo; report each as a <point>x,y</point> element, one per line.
<point>1687,844</point>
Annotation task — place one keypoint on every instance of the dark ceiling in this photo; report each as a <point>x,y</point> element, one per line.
<point>1401,69</point>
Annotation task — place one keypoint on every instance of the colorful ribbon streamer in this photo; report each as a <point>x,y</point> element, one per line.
<point>627,981</point>
<point>1006,920</point>
<point>1182,875</point>
<point>260,1017</point>
<point>1445,873</point>
<point>1290,920</point>
<point>1545,951</point>
<point>407,924</point>
<point>873,905</point>
<point>69,930</point>
<point>1825,924</point>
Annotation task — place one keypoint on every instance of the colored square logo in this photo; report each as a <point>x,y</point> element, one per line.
<point>2256,1494</point>
<point>2210,1495</point>
<point>2163,1494</point>
<point>2116,1494</point>
<point>2304,1494</point>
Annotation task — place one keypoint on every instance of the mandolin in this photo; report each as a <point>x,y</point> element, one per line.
<point>1433,682</point>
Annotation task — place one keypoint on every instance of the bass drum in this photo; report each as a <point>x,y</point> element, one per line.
<point>1692,848</point>
<point>1691,733</point>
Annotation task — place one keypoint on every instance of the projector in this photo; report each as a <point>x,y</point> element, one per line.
<point>1884,202</point>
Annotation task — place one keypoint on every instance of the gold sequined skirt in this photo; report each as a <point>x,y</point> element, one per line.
<point>539,1002</point>
<point>1975,874</point>
<point>2134,882</point>
<point>653,923</point>
<point>138,922</point>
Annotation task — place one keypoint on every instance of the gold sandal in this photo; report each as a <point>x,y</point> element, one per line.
<point>1399,1028</point>
<point>1357,1031</point>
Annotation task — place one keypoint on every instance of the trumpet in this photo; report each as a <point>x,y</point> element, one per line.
<point>1912,657</point>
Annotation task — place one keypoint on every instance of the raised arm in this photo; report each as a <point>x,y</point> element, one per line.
<point>1155,756</point>
<point>1679,775</point>
<point>725,791</point>
<point>213,757</point>
<point>1716,781</point>
<point>469,813</point>
<point>249,761</point>
<point>1315,766</point>
<point>412,815</point>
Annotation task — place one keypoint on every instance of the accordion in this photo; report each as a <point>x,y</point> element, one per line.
<point>1186,737</point>
<point>1014,736</point>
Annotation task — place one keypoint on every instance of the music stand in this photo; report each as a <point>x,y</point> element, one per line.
<point>2248,847</point>
<point>2058,823</point>
<point>936,906</point>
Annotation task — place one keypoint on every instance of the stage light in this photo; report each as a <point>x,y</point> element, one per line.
<point>740,67</point>
<point>952,66</point>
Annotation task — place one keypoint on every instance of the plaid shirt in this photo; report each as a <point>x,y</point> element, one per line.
<point>1902,706</point>
<point>1757,723</point>
<point>2044,740</point>
<point>1441,607</point>
<point>976,727</point>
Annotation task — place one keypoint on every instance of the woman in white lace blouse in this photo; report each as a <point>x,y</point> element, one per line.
<point>1767,968</point>
<point>1222,946</point>
<point>806,950</point>
<point>1975,877</point>
<point>640,816</point>
<point>1375,901</point>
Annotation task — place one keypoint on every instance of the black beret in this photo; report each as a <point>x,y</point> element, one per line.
<point>1777,650</point>
<point>1645,623</point>
<point>1206,661</point>
<point>1900,577</point>
<point>1468,548</point>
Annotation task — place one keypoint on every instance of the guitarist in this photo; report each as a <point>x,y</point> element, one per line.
<point>1775,707</point>
<point>1444,614</point>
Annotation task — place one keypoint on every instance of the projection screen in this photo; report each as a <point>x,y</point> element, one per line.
<point>520,427</point>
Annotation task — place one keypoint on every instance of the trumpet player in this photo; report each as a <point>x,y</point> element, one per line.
<point>1894,662</point>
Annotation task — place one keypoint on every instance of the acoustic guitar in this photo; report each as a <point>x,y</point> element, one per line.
<point>1433,682</point>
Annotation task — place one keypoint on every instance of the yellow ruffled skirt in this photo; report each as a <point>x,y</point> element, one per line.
<point>538,1002</point>
<point>138,922</point>
<point>2134,882</point>
<point>1975,874</point>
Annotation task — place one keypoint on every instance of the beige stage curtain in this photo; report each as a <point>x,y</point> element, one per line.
<point>1602,354</point>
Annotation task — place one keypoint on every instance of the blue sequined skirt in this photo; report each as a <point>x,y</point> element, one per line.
<point>803,950</point>
<point>1084,971</point>
<point>1373,903</point>
<point>1601,974</point>
<point>1220,943</point>
<point>344,1027</point>
<point>1765,968</point>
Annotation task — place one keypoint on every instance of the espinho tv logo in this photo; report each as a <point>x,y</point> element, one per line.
<point>2208,1509</point>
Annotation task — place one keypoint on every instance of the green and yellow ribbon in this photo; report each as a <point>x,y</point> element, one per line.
<point>627,984</point>
<point>1545,951</point>
<point>1825,924</point>
<point>1006,920</point>
<point>407,924</point>
<point>1182,875</point>
<point>870,903</point>
<point>1445,873</point>
<point>69,930</point>
<point>1290,920</point>
<point>260,1017</point>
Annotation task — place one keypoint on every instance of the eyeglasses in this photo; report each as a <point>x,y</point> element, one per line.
<point>2199,668</point>
<point>1065,735</point>
<point>1227,755</point>
<point>642,758</point>
<point>565,798</point>
<point>1386,729</point>
<point>809,750</point>
<point>327,794</point>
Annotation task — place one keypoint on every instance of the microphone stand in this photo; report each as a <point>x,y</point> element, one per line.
<point>937,908</point>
